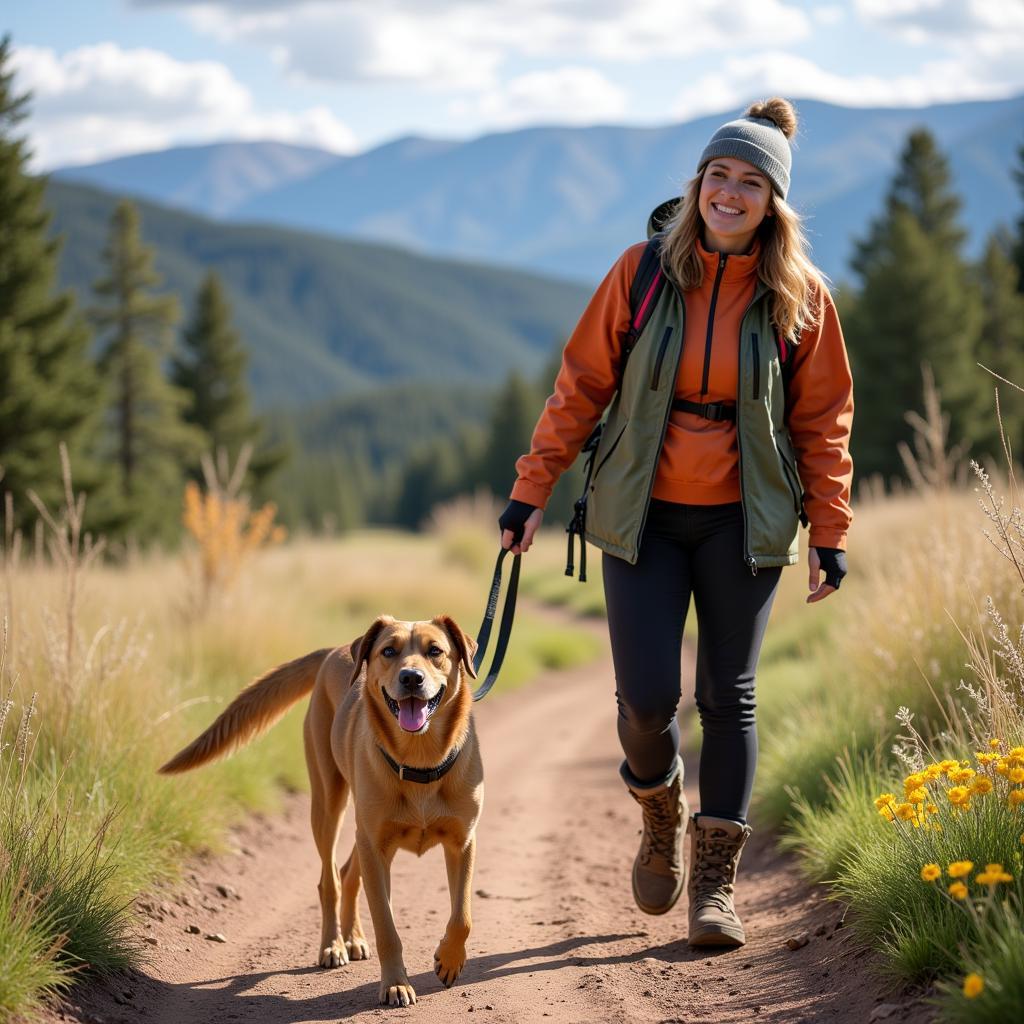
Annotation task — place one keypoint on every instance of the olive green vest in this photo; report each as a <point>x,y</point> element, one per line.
<point>626,459</point>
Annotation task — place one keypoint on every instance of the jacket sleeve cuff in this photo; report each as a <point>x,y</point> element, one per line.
<point>823,537</point>
<point>530,493</point>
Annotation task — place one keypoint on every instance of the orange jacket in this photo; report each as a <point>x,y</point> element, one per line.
<point>699,459</point>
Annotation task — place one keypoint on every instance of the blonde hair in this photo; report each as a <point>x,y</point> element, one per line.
<point>784,265</point>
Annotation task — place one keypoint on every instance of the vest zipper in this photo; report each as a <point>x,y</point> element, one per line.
<point>711,324</point>
<point>757,368</point>
<point>747,556</point>
<point>661,357</point>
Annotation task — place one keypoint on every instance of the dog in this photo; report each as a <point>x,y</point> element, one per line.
<point>398,737</point>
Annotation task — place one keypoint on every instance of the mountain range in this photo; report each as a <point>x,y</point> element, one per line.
<point>565,201</point>
<point>324,317</point>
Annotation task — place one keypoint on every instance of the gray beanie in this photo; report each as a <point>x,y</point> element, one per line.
<point>760,142</point>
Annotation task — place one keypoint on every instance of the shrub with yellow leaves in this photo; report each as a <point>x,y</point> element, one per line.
<point>224,526</point>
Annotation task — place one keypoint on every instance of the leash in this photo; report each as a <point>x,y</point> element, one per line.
<point>504,630</point>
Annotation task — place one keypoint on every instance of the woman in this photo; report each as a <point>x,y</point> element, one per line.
<point>712,454</point>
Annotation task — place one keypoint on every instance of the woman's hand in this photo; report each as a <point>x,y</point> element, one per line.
<point>518,523</point>
<point>833,562</point>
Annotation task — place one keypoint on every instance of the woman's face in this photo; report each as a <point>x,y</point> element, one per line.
<point>734,198</point>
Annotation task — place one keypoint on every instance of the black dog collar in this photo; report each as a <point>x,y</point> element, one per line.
<point>424,775</point>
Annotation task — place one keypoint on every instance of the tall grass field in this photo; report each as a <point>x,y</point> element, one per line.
<point>891,719</point>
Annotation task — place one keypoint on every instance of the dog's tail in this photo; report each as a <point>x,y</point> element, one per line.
<point>251,713</point>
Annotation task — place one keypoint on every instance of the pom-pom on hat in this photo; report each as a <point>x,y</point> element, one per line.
<point>761,138</point>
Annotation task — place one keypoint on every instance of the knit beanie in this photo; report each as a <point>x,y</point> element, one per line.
<point>761,138</point>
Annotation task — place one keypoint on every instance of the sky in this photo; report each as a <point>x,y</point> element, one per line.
<point>111,77</point>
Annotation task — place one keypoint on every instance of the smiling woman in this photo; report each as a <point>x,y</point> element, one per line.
<point>729,415</point>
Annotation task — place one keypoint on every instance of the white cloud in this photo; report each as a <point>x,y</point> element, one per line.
<point>101,101</point>
<point>779,73</point>
<point>462,43</point>
<point>567,95</point>
<point>956,22</point>
<point>827,15</point>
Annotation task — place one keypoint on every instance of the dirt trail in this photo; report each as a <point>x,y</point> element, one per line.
<point>556,936</point>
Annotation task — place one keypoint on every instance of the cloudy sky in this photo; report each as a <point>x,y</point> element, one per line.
<point>110,77</point>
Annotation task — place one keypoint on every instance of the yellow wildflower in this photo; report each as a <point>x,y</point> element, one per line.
<point>905,812</point>
<point>959,868</point>
<point>982,786</point>
<point>912,782</point>
<point>884,800</point>
<point>1017,774</point>
<point>973,985</point>
<point>949,766</point>
<point>932,809</point>
<point>993,743</point>
<point>958,891</point>
<point>1017,797</point>
<point>917,796</point>
<point>886,812</point>
<point>993,875</point>
<point>930,872</point>
<point>958,795</point>
<point>962,776</point>
<point>1017,752</point>
<point>932,772</point>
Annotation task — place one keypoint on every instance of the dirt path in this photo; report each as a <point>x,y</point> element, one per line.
<point>556,936</point>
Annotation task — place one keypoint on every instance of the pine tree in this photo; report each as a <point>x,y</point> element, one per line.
<point>151,444</point>
<point>515,412</point>
<point>917,303</point>
<point>1001,347</point>
<point>1018,175</point>
<point>48,387</point>
<point>211,371</point>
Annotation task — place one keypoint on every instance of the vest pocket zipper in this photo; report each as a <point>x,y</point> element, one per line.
<point>757,368</point>
<point>608,454</point>
<point>662,349</point>
<point>791,479</point>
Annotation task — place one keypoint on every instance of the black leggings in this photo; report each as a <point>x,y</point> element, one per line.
<point>688,549</point>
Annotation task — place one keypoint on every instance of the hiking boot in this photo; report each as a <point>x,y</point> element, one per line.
<point>658,868</point>
<point>715,846</point>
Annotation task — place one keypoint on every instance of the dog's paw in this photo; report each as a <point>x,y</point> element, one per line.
<point>334,955</point>
<point>449,959</point>
<point>357,947</point>
<point>397,991</point>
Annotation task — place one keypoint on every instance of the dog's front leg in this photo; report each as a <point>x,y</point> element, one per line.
<point>375,867</point>
<point>450,956</point>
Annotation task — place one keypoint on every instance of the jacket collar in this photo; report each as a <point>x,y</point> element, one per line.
<point>740,268</point>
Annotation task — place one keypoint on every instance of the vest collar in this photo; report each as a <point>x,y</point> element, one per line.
<point>423,775</point>
<point>740,268</point>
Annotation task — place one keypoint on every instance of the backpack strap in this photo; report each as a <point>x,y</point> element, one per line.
<point>644,292</point>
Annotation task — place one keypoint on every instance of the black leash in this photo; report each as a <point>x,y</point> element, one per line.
<point>504,631</point>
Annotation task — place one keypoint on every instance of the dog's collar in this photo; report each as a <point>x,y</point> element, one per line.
<point>424,775</point>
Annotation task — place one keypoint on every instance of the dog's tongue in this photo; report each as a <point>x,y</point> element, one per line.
<point>412,714</point>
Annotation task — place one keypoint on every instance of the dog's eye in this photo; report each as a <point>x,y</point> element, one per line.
<point>388,652</point>
<point>435,651</point>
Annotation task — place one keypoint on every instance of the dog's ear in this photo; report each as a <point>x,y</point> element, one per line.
<point>362,645</point>
<point>465,645</point>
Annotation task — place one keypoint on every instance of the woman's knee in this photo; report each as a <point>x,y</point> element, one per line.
<point>646,715</point>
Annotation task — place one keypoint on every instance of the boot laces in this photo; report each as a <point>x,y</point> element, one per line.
<point>713,872</point>
<point>661,826</point>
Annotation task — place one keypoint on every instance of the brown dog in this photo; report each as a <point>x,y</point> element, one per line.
<point>400,738</point>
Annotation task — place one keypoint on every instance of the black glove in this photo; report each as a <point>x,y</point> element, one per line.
<point>514,518</point>
<point>833,564</point>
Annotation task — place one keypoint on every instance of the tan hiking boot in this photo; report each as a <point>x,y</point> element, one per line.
<point>658,870</point>
<point>715,847</point>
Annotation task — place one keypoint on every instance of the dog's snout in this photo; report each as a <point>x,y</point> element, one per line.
<point>410,678</point>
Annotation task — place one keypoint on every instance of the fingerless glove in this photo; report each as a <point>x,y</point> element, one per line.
<point>833,564</point>
<point>514,518</point>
